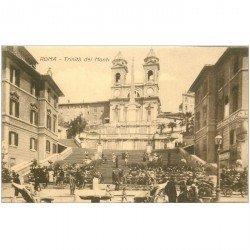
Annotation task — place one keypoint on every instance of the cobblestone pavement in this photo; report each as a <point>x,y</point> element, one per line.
<point>63,195</point>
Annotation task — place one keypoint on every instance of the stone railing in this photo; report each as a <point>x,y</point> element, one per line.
<point>24,167</point>
<point>78,141</point>
<point>192,160</point>
<point>57,157</point>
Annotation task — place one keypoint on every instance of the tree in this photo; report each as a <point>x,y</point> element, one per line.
<point>62,122</point>
<point>172,125</point>
<point>188,121</point>
<point>161,127</point>
<point>76,126</point>
<point>6,175</point>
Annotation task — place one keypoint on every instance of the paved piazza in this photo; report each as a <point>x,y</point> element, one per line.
<point>63,195</point>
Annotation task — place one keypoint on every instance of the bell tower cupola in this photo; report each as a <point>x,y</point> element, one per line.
<point>119,70</point>
<point>151,67</point>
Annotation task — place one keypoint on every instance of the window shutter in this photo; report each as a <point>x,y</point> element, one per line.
<point>11,75</point>
<point>9,138</point>
<point>16,139</point>
<point>30,143</point>
<point>35,144</point>
<point>17,77</point>
<point>17,109</point>
<point>31,117</point>
<point>36,90</point>
<point>11,111</point>
<point>36,118</point>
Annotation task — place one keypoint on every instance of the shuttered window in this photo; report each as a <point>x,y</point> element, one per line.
<point>48,146</point>
<point>14,108</point>
<point>13,138</point>
<point>15,76</point>
<point>33,117</point>
<point>33,144</point>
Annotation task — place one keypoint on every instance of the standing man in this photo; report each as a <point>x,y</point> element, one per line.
<point>193,194</point>
<point>126,159</point>
<point>17,181</point>
<point>108,191</point>
<point>116,161</point>
<point>124,195</point>
<point>170,190</point>
<point>72,183</point>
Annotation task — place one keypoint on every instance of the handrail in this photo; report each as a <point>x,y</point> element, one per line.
<point>65,153</point>
<point>191,159</point>
<point>23,167</point>
<point>77,141</point>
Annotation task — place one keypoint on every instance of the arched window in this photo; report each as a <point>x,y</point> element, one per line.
<point>117,113</point>
<point>14,104</point>
<point>137,94</point>
<point>117,77</point>
<point>33,114</point>
<point>150,75</point>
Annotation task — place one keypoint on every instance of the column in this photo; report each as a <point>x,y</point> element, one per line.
<point>5,111</point>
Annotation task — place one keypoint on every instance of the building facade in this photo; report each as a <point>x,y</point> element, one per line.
<point>221,107</point>
<point>205,114</point>
<point>95,113</point>
<point>187,104</point>
<point>131,117</point>
<point>29,108</point>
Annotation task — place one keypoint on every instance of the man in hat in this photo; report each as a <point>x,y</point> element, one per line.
<point>124,195</point>
<point>17,181</point>
<point>193,194</point>
<point>72,183</point>
<point>170,190</point>
<point>116,161</point>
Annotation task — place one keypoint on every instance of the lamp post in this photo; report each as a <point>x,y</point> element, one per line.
<point>218,143</point>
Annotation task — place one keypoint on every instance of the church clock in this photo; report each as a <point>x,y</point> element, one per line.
<point>117,93</point>
<point>150,91</point>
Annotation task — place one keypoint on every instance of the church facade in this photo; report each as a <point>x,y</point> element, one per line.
<point>134,108</point>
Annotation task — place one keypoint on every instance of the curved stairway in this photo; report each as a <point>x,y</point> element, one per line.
<point>169,156</point>
<point>78,154</point>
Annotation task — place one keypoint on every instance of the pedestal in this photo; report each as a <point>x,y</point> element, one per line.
<point>99,149</point>
<point>95,184</point>
<point>83,144</point>
<point>149,149</point>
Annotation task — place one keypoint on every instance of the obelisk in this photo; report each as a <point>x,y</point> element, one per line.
<point>132,113</point>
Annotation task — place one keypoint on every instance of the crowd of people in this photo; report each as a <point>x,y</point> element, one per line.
<point>187,193</point>
<point>233,180</point>
<point>191,182</point>
<point>77,175</point>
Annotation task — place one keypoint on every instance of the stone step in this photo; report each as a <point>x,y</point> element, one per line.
<point>68,143</point>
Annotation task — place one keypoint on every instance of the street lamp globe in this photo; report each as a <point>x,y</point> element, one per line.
<point>218,140</point>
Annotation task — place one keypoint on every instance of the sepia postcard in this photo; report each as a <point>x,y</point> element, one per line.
<point>126,124</point>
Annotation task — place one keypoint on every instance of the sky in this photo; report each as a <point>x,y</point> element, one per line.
<point>89,80</point>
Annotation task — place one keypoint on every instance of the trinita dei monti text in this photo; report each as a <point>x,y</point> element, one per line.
<point>131,118</point>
